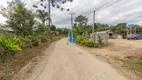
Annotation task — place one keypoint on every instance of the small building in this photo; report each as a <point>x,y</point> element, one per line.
<point>103,35</point>
<point>113,35</point>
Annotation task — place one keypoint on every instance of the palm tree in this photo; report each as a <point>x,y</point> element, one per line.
<point>42,15</point>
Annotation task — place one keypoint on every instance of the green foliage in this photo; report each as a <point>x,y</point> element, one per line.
<point>84,41</point>
<point>139,29</point>
<point>59,30</point>
<point>133,64</point>
<point>62,30</point>
<point>65,30</point>
<point>10,45</point>
<point>100,40</point>
<point>101,27</point>
<point>81,20</point>
<point>79,39</point>
<point>30,41</point>
<point>42,30</point>
<point>53,27</point>
<point>81,26</point>
<point>35,42</point>
<point>120,29</point>
<point>19,18</point>
<point>42,15</point>
<point>89,43</point>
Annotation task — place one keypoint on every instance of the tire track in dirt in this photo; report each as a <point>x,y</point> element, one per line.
<point>68,62</point>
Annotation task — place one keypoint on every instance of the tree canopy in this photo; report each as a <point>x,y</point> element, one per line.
<point>42,15</point>
<point>19,18</point>
<point>81,20</point>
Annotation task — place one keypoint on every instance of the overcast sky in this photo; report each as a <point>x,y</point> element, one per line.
<point>129,11</point>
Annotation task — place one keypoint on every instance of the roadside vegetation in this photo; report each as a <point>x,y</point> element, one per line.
<point>84,41</point>
<point>134,65</point>
<point>81,27</point>
<point>88,43</point>
<point>22,38</point>
<point>82,32</point>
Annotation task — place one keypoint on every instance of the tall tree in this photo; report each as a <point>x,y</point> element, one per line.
<point>81,20</point>
<point>53,27</point>
<point>122,25</point>
<point>120,28</point>
<point>80,26</point>
<point>19,18</point>
<point>42,15</point>
<point>101,27</point>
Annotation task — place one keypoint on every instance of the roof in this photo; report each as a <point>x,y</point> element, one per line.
<point>102,32</point>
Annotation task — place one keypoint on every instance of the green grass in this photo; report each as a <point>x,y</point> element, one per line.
<point>134,65</point>
<point>55,38</point>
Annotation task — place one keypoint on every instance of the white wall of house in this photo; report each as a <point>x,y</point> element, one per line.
<point>104,35</point>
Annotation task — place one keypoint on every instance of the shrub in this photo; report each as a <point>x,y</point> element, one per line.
<point>89,43</point>
<point>10,46</point>
<point>30,41</point>
<point>100,40</point>
<point>79,39</point>
<point>35,42</point>
<point>43,39</point>
<point>84,41</point>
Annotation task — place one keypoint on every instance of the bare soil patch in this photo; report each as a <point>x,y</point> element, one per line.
<point>124,55</point>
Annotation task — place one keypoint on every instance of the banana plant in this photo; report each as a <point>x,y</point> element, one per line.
<point>10,46</point>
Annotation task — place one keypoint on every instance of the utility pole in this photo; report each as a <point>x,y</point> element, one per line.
<point>49,13</point>
<point>93,30</point>
<point>71,19</point>
<point>71,25</point>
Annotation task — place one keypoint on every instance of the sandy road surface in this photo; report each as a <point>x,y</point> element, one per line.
<point>68,62</point>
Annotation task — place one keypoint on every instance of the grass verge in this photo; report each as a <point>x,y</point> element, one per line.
<point>134,65</point>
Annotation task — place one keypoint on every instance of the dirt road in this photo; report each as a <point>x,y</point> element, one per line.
<point>68,62</point>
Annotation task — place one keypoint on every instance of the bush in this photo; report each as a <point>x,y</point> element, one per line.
<point>43,39</point>
<point>79,39</point>
<point>100,40</point>
<point>35,42</point>
<point>30,41</point>
<point>89,43</point>
<point>9,45</point>
<point>84,41</point>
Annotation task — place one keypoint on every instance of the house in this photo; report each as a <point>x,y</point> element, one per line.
<point>105,35</point>
<point>113,35</point>
<point>100,35</point>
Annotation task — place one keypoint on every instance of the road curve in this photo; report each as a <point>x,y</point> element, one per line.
<point>68,62</point>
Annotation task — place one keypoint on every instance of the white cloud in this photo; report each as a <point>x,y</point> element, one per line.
<point>123,11</point>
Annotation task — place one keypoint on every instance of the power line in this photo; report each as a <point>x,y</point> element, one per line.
<point>95,10</point>
<point>72,18</point>
<point>100,8</point>
<point>108,5</point>
<point>104,5</point>
<point>65,14</point>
